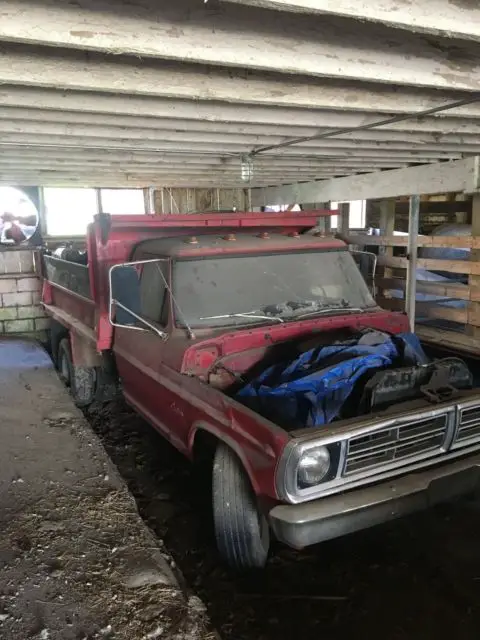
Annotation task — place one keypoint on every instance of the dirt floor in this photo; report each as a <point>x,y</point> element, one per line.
<point>416,579</point>
<point>76,560</point>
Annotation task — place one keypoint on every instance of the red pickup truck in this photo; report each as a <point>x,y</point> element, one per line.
<point>253,343</point>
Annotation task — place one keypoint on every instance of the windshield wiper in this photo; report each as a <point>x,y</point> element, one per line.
<point>248,314</point>
<point>297,308</point>
<point>329,310</point>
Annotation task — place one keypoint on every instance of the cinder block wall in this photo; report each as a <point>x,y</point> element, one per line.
<point>20,310</point>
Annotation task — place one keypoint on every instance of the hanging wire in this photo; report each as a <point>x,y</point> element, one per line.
<point>372,125</point>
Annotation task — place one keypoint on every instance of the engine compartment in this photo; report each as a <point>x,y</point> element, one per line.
<point>317,381</point>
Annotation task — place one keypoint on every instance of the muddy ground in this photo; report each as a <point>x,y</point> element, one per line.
<point>416,579</point>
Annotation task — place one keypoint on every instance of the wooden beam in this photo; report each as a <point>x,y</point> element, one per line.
<point>434,311</point>
<point>241,120</point>
<point>98,73</point>
<point>234,137</point>
<point>461,242</point>
<point>236,36</point>
<point>356,104</point>
<point>450,266</point>
<point>252,135</point>
<point>430,206</point>
<point>460,175</point>
<point>453,20</point>
<point>337,156</point>
<point>23,153</point>
<point>448,339</point>
<point>443,289</point>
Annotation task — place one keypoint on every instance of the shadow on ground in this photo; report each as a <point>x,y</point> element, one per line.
<point>418,578</point>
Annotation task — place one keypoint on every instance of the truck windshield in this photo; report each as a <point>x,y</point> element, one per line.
<point>239,290</point>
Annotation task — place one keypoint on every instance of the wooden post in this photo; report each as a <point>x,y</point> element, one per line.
<point>98,193</point>
<point>474,281</point>
<point>411,289</point>
<point>343,226</point>
<point>42,212</point>
<point>387,227</point>
<point>149,199</point>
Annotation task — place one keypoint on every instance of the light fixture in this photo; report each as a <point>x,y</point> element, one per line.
<point>247,168</point>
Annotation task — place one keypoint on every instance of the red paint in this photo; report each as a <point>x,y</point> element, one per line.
<point>167,381</point>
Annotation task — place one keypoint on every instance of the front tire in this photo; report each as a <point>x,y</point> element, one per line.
<point>241,530</point>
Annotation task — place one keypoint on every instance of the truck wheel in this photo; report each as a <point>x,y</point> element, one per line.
<point>81,380</point>
<point>84,386</point>
<point>241,530</point>
<point>64,361</point>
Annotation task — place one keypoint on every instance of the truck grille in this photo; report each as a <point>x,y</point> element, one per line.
<point>469,425</point>
<point>392,444</point>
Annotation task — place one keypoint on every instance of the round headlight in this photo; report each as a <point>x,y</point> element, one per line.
<point>313,466</point>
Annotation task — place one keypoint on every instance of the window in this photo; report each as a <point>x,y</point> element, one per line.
<point>240,290</point>
<point>357,214</point>
<point>153,292</point>
<point>70,210</point>
<point>123,201</point>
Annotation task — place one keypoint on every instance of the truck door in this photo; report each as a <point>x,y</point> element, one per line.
<point>140,341</point>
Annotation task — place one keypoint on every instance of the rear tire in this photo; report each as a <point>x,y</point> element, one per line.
<point>64,362</point>
<point>81,380</point>
<point>241,530</point>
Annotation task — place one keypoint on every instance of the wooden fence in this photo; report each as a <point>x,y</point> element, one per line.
<point>456,327</point>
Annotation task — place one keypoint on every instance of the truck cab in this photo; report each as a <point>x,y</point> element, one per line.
<point>259,347</point>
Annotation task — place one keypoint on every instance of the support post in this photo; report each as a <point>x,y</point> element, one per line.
<point>343,226</point>
<point>411,288</point>
<point>149,197</point>
<point>42,212</point>
<point>387,227</point>
<point>98,193</point>
<point>323,223</point>
<point>474,281</point>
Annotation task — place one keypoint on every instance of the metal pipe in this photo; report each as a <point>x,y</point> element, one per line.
<point>411,288</point>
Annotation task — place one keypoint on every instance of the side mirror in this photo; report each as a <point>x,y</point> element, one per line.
<point>125,306</point>
<point>125,300</point>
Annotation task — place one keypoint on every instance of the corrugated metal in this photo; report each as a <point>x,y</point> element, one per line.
<point>147,93</point>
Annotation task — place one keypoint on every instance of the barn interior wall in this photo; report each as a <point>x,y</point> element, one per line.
<point>180,200</point>
<point>20,310</point>
<point>434,211</point>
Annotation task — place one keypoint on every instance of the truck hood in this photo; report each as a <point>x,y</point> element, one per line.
<point>227,355</point>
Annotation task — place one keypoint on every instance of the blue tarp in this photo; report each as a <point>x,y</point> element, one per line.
<point>311,390</point>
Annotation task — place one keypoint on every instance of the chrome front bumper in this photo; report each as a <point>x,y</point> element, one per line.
<point>305,524</point>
